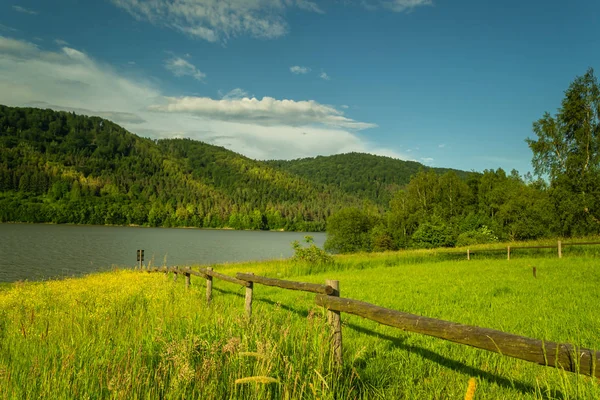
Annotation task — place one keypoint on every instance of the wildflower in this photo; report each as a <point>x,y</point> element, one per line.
<point>470,390</point>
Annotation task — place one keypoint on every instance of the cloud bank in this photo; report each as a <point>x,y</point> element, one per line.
<point>265,128</point>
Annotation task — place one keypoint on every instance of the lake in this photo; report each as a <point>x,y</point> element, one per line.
<point>36,252</point>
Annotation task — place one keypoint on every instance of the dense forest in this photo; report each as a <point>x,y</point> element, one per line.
<point>65,168</point>
<point>369,176</point>
<point>435,210</point>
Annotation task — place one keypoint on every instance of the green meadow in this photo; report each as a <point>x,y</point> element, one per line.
<point>131,335</point>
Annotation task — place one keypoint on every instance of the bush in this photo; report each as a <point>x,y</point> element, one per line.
<point>311,254</point>
<point>482,235</point>
<point>349,231</point>
<point>381,240</point>
<point>430,235</point>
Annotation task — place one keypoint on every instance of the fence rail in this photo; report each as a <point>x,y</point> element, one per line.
<point>551,354</point>
<point>291,285</point>
<point>559,355</point>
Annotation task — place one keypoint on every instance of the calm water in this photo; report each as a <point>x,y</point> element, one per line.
<point>36,252</point>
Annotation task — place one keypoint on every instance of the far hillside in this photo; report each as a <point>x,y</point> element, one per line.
<point>61,167</point>
<point>365,175</point>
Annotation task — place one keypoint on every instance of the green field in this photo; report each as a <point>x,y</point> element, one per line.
<point>129,335</point>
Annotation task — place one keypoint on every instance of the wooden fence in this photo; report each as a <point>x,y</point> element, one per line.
<point>559,355</point>
<point>509,249</point>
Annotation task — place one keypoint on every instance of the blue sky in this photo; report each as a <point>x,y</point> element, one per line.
<point>446,83</point>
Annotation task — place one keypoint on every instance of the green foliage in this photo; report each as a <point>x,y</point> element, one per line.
<point>567,150</point>
<point>60,167</point>
<point>349,230</point>
<point>381,240</point>
<point>368,176</point>
<point>482,235</point>
<point>310,254</point>
<point>432,235</point>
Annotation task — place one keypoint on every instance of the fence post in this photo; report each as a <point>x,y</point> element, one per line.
<point>335,321</point>
<point>187,280</point>
<point>508,253</point>
<point>468,254</point>
<point>175,274</point>
<point>209,281</point>
<point>559,249</point>
<point>534,272</point>
<point>249,290</point>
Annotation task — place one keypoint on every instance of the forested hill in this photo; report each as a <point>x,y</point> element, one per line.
<point>66,168</point>
<point>366,175</point>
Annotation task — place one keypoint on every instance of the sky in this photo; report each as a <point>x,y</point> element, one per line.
<point>453,84</point>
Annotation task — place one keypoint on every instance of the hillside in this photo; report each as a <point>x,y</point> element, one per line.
<point>365,175</point>
<point>65,168</point>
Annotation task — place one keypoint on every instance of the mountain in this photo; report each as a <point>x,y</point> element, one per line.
<point>368,176</point>
<point>66,168</point>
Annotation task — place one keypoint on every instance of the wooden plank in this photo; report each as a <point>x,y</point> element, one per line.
<point>248,304</point>
<point>303,286</point>
<point>559,355</point>
<point>335,322</point>
<point>208,286</point>
<point>486,250</point>
<point>533,247</point>
<point>559,249</point>
<point>223,277</point>
<point>580,243</point>
<point>192,272</point>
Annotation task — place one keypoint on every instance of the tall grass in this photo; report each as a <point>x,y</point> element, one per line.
<point>130,335</point>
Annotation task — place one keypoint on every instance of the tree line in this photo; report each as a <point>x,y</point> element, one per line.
<point>61,167</point>
<point>443,210</point>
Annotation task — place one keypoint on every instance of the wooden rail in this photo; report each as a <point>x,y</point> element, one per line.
<point>566,356</point>
<point>291,285</point>
<point>223,277</point>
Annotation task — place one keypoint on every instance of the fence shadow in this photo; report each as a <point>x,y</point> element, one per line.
<point>297,311</point>
<point>457,366</point>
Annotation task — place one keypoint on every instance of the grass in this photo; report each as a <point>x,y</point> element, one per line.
<point>125,334</point>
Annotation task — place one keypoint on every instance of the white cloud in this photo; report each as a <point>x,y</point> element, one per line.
<point>427,160</point>
<point>218,20</point>
<point>61,42</point>
<point>265,112</point>
<point>344,106</point>
<point>441,146</point>
<point>7,28</point>
<point>69,79</point>
<point>236,93</point>
<point>309,6</point>
<point>24,10</point>
<point>396,5</point>
<point>180,67</point>
<point>298,70</point>
<point>324,76</point>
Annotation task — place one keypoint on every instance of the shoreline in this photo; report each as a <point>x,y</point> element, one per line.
<point>155,227</point>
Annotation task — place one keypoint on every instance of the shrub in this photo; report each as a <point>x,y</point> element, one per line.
<point>349,231</point>
<point>381,240</point>
<point>310,254</point>
<point>476,236</point>
<point>430,235</point>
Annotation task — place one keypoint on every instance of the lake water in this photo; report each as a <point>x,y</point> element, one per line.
<point>36,252</point>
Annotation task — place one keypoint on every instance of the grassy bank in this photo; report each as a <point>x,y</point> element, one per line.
<point>130,335</point>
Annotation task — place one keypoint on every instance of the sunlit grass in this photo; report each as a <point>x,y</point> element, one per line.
<point>126,334</point>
